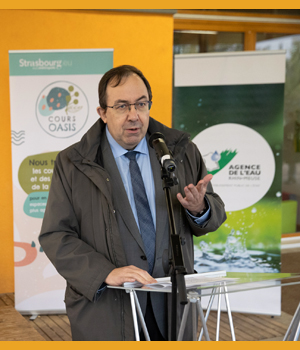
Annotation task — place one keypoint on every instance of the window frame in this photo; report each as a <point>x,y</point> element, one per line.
<point>247,23</point>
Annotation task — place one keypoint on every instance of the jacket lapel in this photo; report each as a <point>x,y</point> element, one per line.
<point>120,199</point>
<point>162,228</point>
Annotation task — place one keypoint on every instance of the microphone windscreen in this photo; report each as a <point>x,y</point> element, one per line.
<point>154,136</point>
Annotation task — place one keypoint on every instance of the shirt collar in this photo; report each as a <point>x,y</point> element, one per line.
<point>119,151</point>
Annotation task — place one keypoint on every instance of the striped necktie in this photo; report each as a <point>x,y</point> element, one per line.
<point>145,219</point>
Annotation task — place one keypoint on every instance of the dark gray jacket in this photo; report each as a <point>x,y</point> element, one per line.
<point>89,229</point>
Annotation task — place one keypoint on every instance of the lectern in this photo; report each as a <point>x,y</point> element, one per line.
<point>222,287</point>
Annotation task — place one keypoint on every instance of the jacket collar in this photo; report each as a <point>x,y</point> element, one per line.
<point>87,147</point>
<point>177,141</point>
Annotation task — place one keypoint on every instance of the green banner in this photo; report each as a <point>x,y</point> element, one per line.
<point>239,131</point>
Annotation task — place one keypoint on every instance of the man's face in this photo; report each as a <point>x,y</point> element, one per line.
<point>129,128</point>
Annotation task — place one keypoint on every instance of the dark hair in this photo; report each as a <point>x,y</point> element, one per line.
<point>117,74</point>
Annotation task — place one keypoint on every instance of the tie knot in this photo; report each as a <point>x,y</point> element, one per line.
<point>131,155</point>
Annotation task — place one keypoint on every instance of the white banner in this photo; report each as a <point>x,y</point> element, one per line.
<point>232,105</point>
<point>53,96</point>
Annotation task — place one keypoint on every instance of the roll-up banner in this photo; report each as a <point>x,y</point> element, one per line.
<point>53,98</point>
<point>232,105</point>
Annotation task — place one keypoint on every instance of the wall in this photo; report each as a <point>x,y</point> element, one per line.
<point>143,40</point>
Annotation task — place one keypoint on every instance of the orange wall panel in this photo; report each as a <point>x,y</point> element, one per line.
<point>143,40</point>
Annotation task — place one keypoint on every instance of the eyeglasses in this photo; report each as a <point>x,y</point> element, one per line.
<point>141,106</point>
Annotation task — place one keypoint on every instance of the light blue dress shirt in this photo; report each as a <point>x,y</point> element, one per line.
<point>143,160</point>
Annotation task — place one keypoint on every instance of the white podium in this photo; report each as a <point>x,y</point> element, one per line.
<point>220,287</point>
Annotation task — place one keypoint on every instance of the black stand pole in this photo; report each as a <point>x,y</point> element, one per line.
<point>177,268</point>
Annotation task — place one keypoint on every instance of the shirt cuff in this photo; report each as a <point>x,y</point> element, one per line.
<point>100,291</point>
<point>203,218</point>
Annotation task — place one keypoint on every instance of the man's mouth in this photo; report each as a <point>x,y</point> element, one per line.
<point>132,129</point>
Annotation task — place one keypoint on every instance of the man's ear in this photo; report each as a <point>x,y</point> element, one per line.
<point>102,113</point>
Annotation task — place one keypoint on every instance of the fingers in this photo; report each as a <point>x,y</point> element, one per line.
<point>189,202</point>
<point>208,178</point>
<point>204,182</point>
<point>128,274</point>
<point>194,195</point>
<point>190,192</point>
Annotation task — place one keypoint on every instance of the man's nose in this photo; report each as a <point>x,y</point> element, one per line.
<point>132,113</point>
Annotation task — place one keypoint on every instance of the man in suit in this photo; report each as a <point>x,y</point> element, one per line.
<point>94,229</point>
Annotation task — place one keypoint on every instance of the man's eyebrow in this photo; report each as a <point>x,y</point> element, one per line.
<point>141,98</point>
<point>120,101</point>
<point>126,101</point>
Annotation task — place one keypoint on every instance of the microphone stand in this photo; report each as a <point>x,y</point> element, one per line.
<point>177,268</point>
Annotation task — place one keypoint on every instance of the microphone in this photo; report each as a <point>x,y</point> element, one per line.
<point>157,142</point>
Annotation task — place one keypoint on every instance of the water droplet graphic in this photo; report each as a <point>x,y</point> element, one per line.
<point>215,156</point>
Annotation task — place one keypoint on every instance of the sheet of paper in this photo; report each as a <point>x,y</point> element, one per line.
<point>193,280</point>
